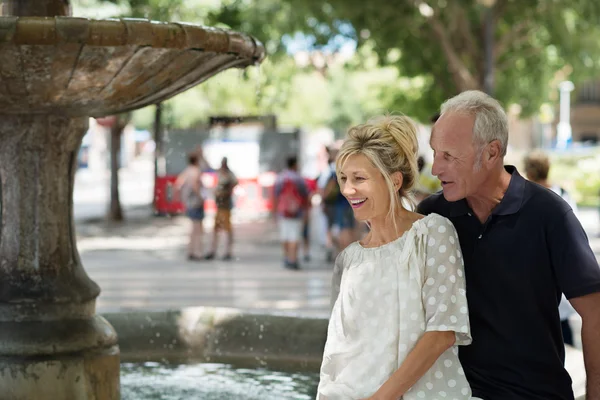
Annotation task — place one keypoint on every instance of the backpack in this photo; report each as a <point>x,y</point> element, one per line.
<point>291,202</point>
<point>334,193</point>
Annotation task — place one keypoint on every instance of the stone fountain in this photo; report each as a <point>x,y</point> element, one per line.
<point>55,72</point>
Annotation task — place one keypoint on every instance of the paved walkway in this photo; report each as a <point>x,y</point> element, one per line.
<point>142,265</point>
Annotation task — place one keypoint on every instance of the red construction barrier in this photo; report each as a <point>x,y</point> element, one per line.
<point>251,194</point>
<point>166,200</point>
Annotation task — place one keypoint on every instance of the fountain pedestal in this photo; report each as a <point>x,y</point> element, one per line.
<point>54,73</point>
<point>52,346</point>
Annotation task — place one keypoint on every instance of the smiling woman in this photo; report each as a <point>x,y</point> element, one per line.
<point>378,167</point>
<point>400,306</point>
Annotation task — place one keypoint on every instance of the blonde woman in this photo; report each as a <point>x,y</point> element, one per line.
<point>401,310</point>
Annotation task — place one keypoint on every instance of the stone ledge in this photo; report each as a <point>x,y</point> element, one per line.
<point>221,334</point>
<point>128,31</point>
<point>200,334</point>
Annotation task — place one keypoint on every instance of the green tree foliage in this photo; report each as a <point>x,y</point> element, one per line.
<point>338,94</point>
<point>437,48</point>
<point>443,41</point>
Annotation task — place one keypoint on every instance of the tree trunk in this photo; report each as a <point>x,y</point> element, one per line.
<point>158,140</point>
<point>115,211</point>
<point>488,40</point>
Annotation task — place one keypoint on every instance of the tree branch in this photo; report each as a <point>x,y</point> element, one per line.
<point>516,34</point>
<point>510,60</point>
<point>499,10</point>
<point>461,75</point>
<point>466,32</point>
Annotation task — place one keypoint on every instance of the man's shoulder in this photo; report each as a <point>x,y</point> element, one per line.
<point>435,203</point>
<point>543,200</point>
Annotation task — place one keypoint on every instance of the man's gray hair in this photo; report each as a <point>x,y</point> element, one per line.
<point>491,122</point>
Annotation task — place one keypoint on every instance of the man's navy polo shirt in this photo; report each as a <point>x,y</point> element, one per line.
<point>517,263</point>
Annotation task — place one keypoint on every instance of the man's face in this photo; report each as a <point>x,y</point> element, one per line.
<point>457,161</point>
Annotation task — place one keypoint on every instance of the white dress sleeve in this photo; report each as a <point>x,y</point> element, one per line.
<point>444,295</point>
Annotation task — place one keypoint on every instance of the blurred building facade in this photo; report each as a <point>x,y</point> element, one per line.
<point>585,113</point>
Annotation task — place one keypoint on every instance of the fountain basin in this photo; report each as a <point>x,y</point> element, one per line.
<point>288,344</point>
<point>81,67</point>
<point>212,381</point>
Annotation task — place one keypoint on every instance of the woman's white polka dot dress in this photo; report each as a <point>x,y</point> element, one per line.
<point>389,297</point>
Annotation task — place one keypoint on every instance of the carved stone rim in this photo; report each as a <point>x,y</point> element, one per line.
<point>128,32</point>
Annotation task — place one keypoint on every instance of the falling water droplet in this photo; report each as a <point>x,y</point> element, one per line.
<point>258,83</point>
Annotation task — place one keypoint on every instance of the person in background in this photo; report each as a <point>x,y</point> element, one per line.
<point>189,187</point>
<point>312,188</point>
<point>420,192</point>
<point>344,223</point>
<point>226,182</point>
<point>537,168</point>
<point>328,202</point>
<point>291,197</point>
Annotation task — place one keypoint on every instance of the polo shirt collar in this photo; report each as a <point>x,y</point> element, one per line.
<point>510,203</point>
<point>458,208</point>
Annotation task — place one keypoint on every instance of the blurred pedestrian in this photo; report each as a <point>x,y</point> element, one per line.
<point>344,224</point>
<point>420,193</point>
<point>226,182</point>
<point>311,185</point>
<point>189,187</point>
<point>291,197</point>
<point>537,168</point>
<point>328,201</point>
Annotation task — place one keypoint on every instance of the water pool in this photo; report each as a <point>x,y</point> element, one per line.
<point>158,381</point>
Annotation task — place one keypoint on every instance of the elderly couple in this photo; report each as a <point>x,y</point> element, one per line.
<point>460,299</point>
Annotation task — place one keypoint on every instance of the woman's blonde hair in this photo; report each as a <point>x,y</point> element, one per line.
<point>390,144</point>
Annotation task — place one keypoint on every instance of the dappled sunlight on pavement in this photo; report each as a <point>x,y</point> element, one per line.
<point>143,265</point>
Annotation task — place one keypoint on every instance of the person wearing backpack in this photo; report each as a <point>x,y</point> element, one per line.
<point>329,200</point>
<point>291,200</point>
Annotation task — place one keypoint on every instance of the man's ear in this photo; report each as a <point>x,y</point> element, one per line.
<point>493,151</point>
<point>397,180</point>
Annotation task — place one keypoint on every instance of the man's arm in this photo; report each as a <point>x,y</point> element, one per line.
<point>589,308</point>
<point>578,277</point>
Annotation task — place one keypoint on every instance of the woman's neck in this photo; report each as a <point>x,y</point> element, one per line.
<point>383,229</point>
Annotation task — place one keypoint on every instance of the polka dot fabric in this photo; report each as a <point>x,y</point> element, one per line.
<point>444,295</point>
<point>389,296</point>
